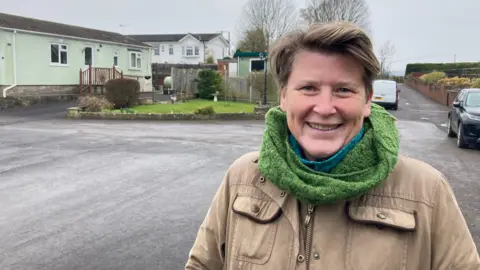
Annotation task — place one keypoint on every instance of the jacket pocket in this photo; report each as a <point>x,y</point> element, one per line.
<point>378,238</point>
<point>254,229</point>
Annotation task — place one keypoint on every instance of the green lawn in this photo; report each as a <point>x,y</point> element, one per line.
<point>190,106</point>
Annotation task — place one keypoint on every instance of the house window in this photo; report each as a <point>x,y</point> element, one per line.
<point>163,48</point>
<point>189,51</point>
<point>197,50</point>
<point>156,50</point>
<point>257,65</point>
<point>59,54</point>
<point>115,58</point>
<point>170,49</point>
<point>136,60</point>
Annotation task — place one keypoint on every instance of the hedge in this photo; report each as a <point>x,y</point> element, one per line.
<point>452,69</point>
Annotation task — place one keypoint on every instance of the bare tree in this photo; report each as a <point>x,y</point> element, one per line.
<point>274,17</point>
<point>386,53</point>
<point>323,11</point>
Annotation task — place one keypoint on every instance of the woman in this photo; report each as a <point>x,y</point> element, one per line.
<point>328,189</point>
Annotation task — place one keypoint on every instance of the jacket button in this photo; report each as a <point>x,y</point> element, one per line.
<point>282,194</point>
<point>255,208</point>
<point>300,258</point>
<point>262,179</point>
<point>381,216</point>
<point>316,256</point>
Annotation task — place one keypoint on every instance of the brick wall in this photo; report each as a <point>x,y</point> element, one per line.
<point>439,93</point>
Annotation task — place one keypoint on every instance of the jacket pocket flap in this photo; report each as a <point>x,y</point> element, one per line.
<point>383,216</point>
<point>259,210</point>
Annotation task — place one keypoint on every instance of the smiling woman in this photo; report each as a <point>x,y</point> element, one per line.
<point>328,188</point>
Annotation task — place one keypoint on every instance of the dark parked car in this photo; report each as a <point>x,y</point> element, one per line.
<point>464,118</point>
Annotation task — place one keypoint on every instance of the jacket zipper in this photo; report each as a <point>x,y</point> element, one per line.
<point>308,240</point>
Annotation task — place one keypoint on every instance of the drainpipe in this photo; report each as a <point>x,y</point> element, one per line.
<point>14,65</point>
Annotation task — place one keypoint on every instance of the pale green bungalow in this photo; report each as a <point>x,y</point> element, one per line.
<point>40,57</point>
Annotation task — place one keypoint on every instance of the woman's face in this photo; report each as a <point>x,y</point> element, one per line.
<point>325,102</point>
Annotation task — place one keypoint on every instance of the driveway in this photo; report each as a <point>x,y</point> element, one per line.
<point>131,195</point>
<point>34,113</point>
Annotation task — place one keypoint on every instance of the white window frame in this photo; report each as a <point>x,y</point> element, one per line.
<point>138,56</point>
<point>60,50</point>
<point>189,49</point>
<point>170,49</point>
<point>115,55</point>
<point>156,50</point>
<point>197,51</point>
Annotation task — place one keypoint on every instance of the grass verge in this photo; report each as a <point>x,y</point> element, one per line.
<point>189,107</point>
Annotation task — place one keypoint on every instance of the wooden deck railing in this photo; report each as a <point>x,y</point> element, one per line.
<point>94,76</point>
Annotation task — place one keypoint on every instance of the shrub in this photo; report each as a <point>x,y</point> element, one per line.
<point>122,92</point>
<point>456,82</point>
<point>209,82</point>
<point>433,77</point>
<point>476,83</point>
<point>94,103</point>
<point>208,110</point>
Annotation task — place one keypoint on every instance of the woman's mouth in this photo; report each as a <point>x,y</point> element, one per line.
<point>323,127</point>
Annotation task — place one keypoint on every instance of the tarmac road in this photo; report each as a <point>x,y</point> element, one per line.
<point>131,195</point>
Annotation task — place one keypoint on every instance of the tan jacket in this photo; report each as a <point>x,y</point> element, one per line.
<point>411,221</point>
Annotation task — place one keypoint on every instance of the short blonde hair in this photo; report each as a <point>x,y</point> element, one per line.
<point>336,37</point>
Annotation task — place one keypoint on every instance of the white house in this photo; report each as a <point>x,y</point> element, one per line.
<point>185,48</point>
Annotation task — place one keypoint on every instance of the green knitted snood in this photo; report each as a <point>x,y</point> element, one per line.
<point>364,167</point>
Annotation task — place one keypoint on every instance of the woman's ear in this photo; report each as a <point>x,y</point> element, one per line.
<point>283,99</point>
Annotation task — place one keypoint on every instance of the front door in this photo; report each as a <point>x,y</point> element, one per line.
<point>88,55</point>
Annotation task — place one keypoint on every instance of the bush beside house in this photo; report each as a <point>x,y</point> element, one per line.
<point>122,93</point>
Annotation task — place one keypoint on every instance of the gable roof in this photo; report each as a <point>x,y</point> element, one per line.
<point>173,37</point>
<point>30,24</point>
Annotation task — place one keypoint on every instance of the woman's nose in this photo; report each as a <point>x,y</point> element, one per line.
<point>324,103</point>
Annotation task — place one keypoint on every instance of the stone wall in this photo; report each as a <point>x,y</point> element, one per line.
<point>77,113</point>
<point>11,102</point>
<point>41,90</point>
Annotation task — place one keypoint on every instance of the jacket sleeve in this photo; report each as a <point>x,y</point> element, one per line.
<point>452,243</point>
<point>208,251</point>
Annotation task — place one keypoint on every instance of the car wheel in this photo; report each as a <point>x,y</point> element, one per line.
<point>450,132</point>
<point>395,106</point>
<point>460,139</point>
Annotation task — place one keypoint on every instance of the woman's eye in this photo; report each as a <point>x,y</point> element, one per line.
<point>344,90</point>
<point>308,88</point>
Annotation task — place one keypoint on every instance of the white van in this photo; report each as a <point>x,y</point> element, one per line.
<point>385,93</point>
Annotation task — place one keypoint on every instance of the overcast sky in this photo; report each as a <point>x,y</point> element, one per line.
<point>421,30</point>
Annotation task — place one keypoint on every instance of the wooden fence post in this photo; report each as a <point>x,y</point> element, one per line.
<point>90,79</point>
